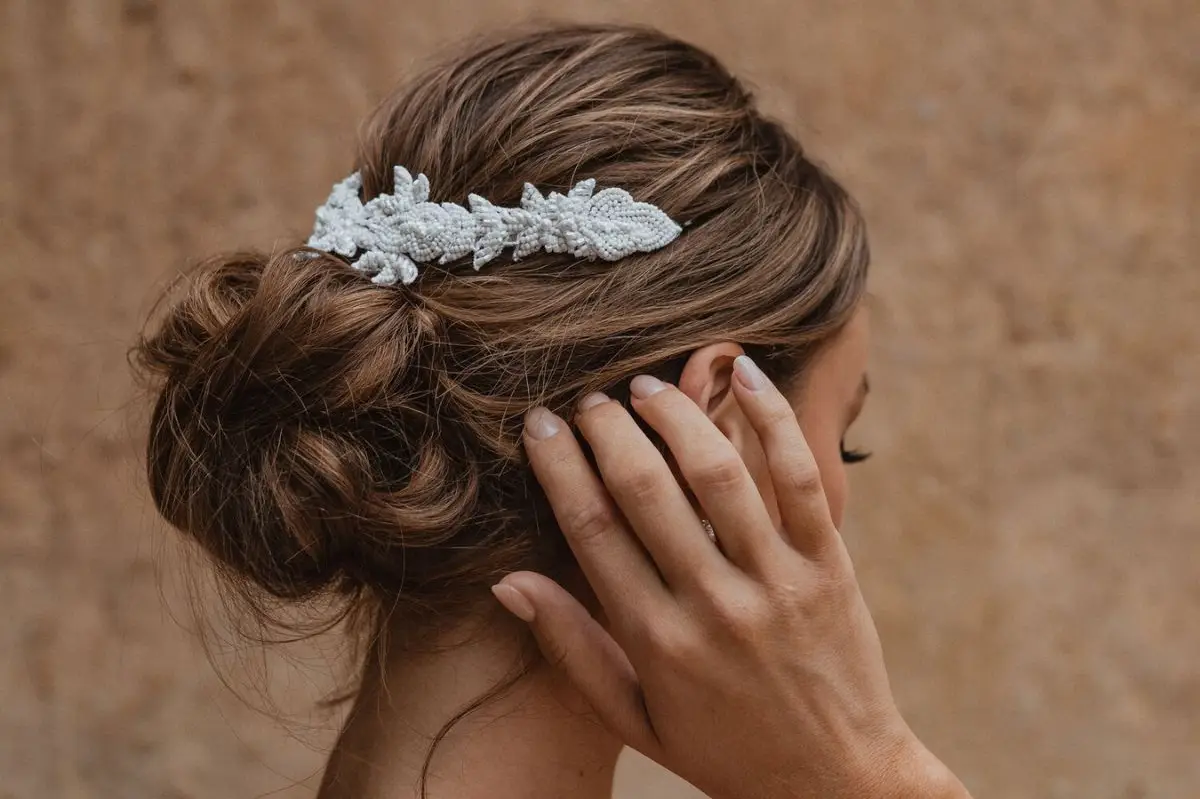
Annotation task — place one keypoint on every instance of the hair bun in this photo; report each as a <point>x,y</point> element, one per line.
<point>322,435</point>
<point>288,434</point>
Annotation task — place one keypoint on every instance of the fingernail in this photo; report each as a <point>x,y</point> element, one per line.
<point>514,602</point>
<point>592,400</point>
<point>540,423</point>
<point>748,372</point>
<point>645,386</point>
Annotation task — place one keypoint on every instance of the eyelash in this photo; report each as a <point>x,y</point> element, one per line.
<point>852,456</point>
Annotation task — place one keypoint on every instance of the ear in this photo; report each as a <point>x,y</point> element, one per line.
<point>708,377</point>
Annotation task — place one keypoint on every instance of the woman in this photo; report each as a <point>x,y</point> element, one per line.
<point>343,426</point>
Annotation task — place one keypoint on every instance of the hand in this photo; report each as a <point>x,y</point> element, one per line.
<point>751,669</point>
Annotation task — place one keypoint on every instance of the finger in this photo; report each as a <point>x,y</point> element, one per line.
<point>575,643</point>
<point>715,472</point>
<point>648,494</point>
<point>803,506</point>
<point>615,565</point>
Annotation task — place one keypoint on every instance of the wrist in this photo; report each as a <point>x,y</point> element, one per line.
<point>916,773</point>
<point>899,767</point>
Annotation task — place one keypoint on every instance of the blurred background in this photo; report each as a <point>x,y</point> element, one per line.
<point>1027,534</point>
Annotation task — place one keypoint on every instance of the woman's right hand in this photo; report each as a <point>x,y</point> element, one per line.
<point>752,668</point>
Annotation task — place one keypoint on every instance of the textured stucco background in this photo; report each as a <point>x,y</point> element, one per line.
<point>1026,535</point>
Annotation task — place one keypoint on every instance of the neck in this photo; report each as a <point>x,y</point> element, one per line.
<point>536,739</point>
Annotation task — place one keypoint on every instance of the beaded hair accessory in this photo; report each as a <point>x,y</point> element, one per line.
<point>389,235</point>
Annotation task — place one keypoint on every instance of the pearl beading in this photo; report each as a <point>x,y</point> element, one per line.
<point>389,235</point>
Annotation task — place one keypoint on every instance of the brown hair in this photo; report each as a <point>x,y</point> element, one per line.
<point>323,437</point>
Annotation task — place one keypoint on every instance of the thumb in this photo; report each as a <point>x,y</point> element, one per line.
<point>575,643</point>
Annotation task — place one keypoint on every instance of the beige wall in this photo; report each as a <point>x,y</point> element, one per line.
<point>1027,534</point>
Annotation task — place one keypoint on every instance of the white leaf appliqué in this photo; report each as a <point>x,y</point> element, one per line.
<point>388,236</point>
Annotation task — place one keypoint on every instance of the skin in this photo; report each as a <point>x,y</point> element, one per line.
<point>768,630</point>
<point>826,402</point>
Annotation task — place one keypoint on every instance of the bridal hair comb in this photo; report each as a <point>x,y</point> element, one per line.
<point>389,235</point>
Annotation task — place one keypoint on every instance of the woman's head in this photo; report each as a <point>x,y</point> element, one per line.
<point>321,435</point>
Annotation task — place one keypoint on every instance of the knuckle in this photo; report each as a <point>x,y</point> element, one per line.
<point>590,521</point>
<point>673,647</point>
<point>738,616</point>
<point>812,593</point>
<point>779,414</point>
<point>719,473</point>
<point>796,585</point>
<point>804,478</point>
<point>671,642</point>
<point>795,594</point>
<point>638,483</point>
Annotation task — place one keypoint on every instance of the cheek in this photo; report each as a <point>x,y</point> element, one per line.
<point>833,478</point>
<point>826,446</point>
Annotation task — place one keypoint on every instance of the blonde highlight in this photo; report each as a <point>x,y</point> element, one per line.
<point>321,436</point>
